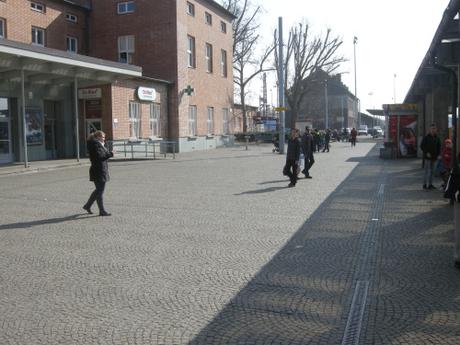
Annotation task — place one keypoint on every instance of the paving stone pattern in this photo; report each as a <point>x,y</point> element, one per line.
<point>213,248</point>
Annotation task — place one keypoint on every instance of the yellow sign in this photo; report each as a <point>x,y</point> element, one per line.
<point>280,109</point>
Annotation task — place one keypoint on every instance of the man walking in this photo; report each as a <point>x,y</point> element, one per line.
<point>431,147</point>
<point>292,158</point>
<point>353,135</point>
<point>327,140</point>
<point>307,149</point>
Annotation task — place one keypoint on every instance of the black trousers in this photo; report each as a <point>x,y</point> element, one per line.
<point>97,195</point>
<point>326,146</point>
<point>309,161</point>
<point>290,170</point>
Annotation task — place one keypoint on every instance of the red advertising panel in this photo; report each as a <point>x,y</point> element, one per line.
<point>402,128</point>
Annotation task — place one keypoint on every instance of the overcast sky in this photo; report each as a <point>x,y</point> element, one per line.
<point>393,37</point>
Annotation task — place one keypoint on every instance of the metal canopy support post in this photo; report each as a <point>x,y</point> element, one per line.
<point>24,128</point>
<point>77,124</point>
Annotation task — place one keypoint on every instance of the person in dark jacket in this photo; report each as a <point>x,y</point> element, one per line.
<point>292,158</point>
<point>98,172</point>
<point>327,140</point>
<point>431,147</point>
<point>307,149</point>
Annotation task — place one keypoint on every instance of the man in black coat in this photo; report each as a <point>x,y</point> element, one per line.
<point>431,147</point>
<point>292,158</point>
<point>307,149</point>
<point>98,172</point>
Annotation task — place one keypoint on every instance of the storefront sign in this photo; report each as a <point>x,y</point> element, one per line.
<point>146,94</point>
<point>90,93</point>
<point>34,126</point>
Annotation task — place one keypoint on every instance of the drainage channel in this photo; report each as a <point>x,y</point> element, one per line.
<point>365,269</point>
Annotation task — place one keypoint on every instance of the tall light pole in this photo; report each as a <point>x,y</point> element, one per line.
<point>281,84</point>
<point>394,88</point>
<point>372,105</point>
<point>326,124</point>
<point>355,41</point>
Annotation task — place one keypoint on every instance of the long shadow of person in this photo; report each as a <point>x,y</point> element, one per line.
<point>25,225</point>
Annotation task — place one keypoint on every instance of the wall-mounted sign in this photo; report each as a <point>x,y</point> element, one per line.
<point>146,94</point>
<point>93,93</point>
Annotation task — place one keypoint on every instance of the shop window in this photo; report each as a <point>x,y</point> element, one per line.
<point>191,52</point>
<point>210,121</point>
<point>155,120</point>
<point>72,44</point>
<point>192,120</point>
<point>208,57</point>
<point>2,28</point>
<point>71,17</point>
<point>191,9</point>
<point>38,36</point>
<point>126,49</point>
<point>225,121</point>
<point>125,7</point>
<point>38,7</point>
<point>134,119</point>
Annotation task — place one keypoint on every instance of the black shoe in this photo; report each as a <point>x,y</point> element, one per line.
<point>431,187</point>
<point>87,209</point>
<point>291,185</point>
<point>104,214</point>
<point>424,186</point>
<point>308,176</point>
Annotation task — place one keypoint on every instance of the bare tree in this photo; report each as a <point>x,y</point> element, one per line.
<point>247,64</point>
<point>305,55</point>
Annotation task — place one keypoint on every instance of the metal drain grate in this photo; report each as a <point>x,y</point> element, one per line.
<point>355,317</point>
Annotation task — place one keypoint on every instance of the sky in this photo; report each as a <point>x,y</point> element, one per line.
<point>393,37</point>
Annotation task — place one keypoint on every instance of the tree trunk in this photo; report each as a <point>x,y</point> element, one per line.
<point>243,110</point>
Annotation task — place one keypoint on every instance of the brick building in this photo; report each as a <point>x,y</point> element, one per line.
<point>126,67</point>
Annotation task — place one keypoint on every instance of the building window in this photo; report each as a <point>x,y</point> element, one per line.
<point>191,51</point>
<point>210,121</point>
<point>72,44</point>
<point>134,119</point>
<point>223,27</point>
<point>71,17</point>
<point>36,6</point>
<point>2,28</point>
<point>125,7</point>
<point>38,36</point>
<point>223,63</point>
<point>208,57</point>
<point>126,49</point>
<point>190,9</point>
<point>155,120</point>
<point>208,18</point>
<point>192,120</point>
<point>225,121</point>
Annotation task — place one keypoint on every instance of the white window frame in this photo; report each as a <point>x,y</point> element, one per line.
<point>191,55</point>
<point>36,33</point>
<point>37,7</point>
<point>192,111</point>
<point>2,28</point>
<point>134,119</point>
<point>208,57</point>
<point>124,7</point>
<point>190,9</point>
<point>71,44</point>
<point>225,121</point>
<point>223,63</point>
<point>71,17</point>
<point>208,18</point>
<point>126,45</point>
<point>223,27</point>
<point>155,120</point>
<point>210,121</point>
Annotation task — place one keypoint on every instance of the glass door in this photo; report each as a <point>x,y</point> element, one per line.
<point>5,132</point>
<point>93,125</point>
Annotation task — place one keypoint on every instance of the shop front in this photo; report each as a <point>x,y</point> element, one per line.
<point>39,107</point>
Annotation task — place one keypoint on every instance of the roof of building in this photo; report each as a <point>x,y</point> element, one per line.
<point>220,8</point>
<point>85,4</point>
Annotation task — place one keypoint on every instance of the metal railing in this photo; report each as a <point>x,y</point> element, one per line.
<point>143,148</point>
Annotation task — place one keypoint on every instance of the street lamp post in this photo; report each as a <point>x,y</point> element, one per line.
<point>394,88</point>
<point>326,105</point>
<point>355,41</point>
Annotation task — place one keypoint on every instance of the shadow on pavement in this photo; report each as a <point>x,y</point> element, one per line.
<point>304,293</point>
<point>25,225</point>
<point>265,190</point>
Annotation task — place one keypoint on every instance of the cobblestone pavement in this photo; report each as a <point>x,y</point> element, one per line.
<point>213,248</point>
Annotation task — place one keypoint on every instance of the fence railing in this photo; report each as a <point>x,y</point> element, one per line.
<point>143,148</point>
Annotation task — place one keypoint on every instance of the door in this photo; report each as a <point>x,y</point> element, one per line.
<point>93,125</point>
<point>50,139</point>
<point>5,132</point>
